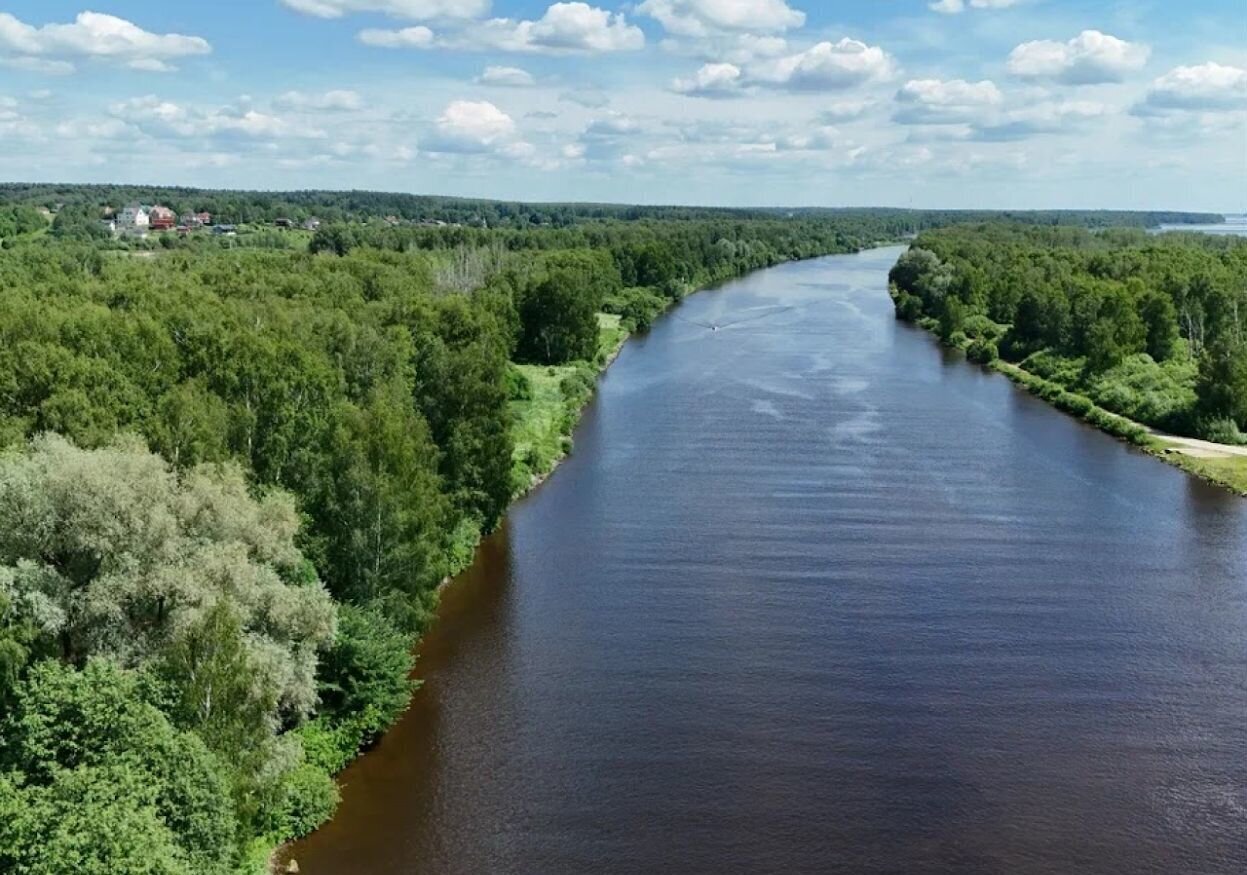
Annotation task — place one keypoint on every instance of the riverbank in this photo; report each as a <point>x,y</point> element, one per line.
<point>747,482</point>
<point>1220,464</point>
<point>547,404</point>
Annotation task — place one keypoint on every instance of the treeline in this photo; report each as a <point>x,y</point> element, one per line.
<point>233,482</point>
<point>240,207</point>
<point>1152,327</point>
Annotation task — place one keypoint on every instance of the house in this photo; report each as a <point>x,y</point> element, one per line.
<point>133,220</point>
<point>161,219</point>
<point>312,224</point>
<point>284,223</point>
<point>195,221</point>
<point>226,230</point>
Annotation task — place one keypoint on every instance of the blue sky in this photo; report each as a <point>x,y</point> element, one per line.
<point>928,103</point>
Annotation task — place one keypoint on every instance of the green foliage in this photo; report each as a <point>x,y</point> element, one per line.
<point>559,317</point>
<point>310,796</point>
<point>82,746</point>
<point>982,351</point>
<point>1145,326</point>
<point>367,670</point>
<point>349,414</point>
<point>1222,381</point>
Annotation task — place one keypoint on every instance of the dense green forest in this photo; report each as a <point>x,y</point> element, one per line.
<point>1151,327</point>
<point>233,476</point>
<point>360,206</point>
<point>234,479</point>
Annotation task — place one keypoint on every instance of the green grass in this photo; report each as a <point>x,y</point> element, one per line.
<point>542,424</point>
<point>1230,472</point>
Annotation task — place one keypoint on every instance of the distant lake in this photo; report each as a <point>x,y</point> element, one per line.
<point>1235,226</point>
<point>814,595</point>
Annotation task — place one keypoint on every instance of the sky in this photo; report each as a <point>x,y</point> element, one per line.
<point>1129,104</point>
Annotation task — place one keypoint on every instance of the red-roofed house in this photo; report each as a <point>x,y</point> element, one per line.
<point>162,219</point>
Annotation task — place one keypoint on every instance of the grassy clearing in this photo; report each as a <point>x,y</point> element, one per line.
<point>1229,471</point>
<point>549,405</point>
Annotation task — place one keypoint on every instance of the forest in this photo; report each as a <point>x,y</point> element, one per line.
<point>1150,327</point>
<point>239,207</point>
<point>233,480</point>
<point>232,477</point>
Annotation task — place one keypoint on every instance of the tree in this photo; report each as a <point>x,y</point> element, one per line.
<point>111,777</point>
<point>1160,319</point>
<point>559,318</point>
<point>1222,384</point>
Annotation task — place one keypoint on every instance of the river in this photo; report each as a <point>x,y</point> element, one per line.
<point>814,595</point>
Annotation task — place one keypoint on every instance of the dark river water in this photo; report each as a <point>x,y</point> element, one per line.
<point>813,595</point>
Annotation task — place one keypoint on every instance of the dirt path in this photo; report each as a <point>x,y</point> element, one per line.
<point>1200,449</point>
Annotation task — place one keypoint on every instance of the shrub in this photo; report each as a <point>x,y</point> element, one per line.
<point>1221,431</point>
<point>519,387</point>
<point>310,799</point>
<point>983,351</point>
<point>367,670</point>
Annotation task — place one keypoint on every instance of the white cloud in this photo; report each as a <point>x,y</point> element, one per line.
<point>565,28</point>
<point>827,67</point>
<point>52,48</point>
<point>338,100</point>
<point>1203,88</point>
<point>608,137</point>
<point>699,18</point>
<point>162,118</point>
<point>414,10</point>
<point>937,102</point>
<point>1045,118</point>
<point>818,139</point>
<point>1090,58</point>
<point>953,7</point>
<point>39,65</point>
<point>845,111</point>
<point>471,126</point>
<point>510,77</point>
<point>712,80</point>
<point>418,37</point>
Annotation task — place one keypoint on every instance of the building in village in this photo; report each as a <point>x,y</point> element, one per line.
<point>161,219</point>
<point>134,219</point>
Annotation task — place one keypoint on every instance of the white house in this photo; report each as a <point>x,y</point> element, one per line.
<point>133,220</point>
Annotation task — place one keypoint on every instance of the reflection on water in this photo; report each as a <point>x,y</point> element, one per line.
<point>814,596</point>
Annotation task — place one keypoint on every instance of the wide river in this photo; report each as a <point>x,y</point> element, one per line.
<point>813,595</point>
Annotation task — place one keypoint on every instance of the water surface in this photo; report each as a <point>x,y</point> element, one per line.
<point>813,595</point>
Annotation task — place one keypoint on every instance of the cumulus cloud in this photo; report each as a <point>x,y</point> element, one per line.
<point>954,7</point>
<point>1090,58</point>
<point>162,118</point>
<point>414,10</point>
<point>937,102</point>
<point>472,126</point>
<point>1207,87</point>
<point>338,100</point>
<point>712,80</point>
<point>826,67</point>
<point>607,138</point>
<point>509,77</point>
<point>53,48</point>
<point>699,18</point>
<point>845,111</point>
<point>565,28</point>
<point>1056,117</point>
<point>417,37</point>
